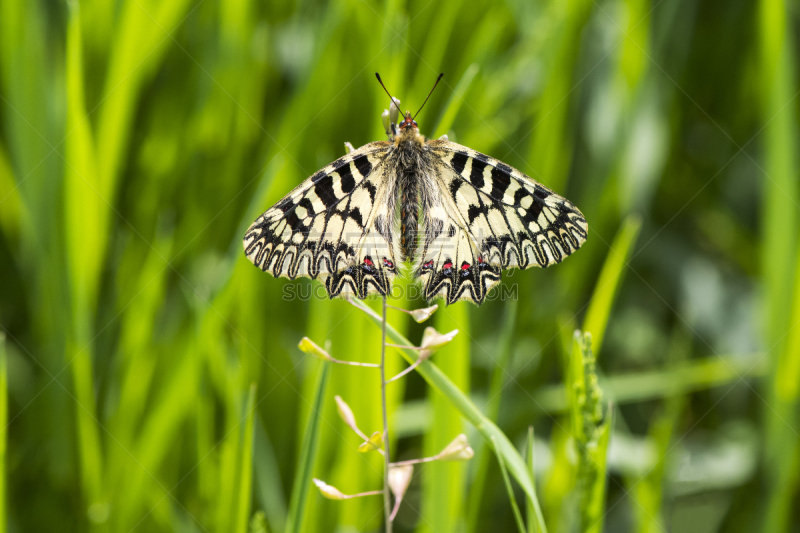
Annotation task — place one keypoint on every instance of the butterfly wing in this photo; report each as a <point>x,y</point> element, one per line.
<point>331,227</point>
<point>494,216</point>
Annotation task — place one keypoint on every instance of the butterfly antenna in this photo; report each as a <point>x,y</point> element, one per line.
<point>391,98</point>
<point>429,94</point>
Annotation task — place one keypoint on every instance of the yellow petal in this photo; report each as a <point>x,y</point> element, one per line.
<point>375,442</point>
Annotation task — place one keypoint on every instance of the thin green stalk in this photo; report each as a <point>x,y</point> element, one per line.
<point>532,508</point>
<point>498,381</point>
<point>510,490</point>
<point>308,455</point>
<point>386,499</point>
<point>246,470</point>
<point>3,430</point>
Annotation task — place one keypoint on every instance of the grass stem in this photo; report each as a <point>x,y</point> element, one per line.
<point>386,456</point>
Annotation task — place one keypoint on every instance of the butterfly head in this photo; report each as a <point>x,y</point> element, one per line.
<point>409,122</point>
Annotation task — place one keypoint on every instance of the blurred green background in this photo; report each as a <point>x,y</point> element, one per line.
<point>139,138</point>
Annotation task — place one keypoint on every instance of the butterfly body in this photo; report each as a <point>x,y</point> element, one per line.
<point>457,216</point>
<point>412,163</point>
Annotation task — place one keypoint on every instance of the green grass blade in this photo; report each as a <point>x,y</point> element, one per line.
<point>510,490</point>
<point>481,460</point>
<point>439,381</point>
<point>787,374</point>
<point>308,454</point>
<point>86,239</point>
<point>455,102</point>
<point>609,281</point>
<point>12,208</point>
<point>532,508</point>
<point>444,482</point>
<point>778,86</point>
<point>550,147</point>
<point>268,480</point>
<point>681,378</point>
<point>246,467</point>
<point>3,430</point>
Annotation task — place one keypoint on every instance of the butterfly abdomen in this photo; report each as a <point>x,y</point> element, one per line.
<point>409,211</point>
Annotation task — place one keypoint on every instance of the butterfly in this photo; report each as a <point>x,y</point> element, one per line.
<point>455,216</point>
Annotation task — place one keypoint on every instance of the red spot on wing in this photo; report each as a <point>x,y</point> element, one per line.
<point>368,261</point>
<point>429,264</point>
<point>465,266</point>
<point>387,263</point>
<point>447,266</point>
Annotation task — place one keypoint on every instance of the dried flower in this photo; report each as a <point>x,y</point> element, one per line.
<point>347,414</point>
<point>332,493</point>
<point>329,491</point>
<point>421,315</point>
<point>399,478</point>
<point>432,340</point>
<point>457,450</point>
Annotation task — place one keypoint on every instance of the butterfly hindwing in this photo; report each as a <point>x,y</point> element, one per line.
<point>331,227</point>
<point>508,219</point>
<point>450,262</point>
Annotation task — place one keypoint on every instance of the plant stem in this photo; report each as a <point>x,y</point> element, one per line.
<point>416,461</point>
<point>386,456</point>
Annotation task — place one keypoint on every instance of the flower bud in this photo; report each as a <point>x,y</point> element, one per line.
<point>387,126</point>
<point>346,413</point>
<point>329,491</point>
<point>394,110</point>
<point>457,450</point>
<point>308,346</point>
<point>432,340</point>
<point>399,478</point>
<point>421,315</point>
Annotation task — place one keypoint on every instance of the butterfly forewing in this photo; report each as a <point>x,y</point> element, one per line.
<point>333,226</point>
